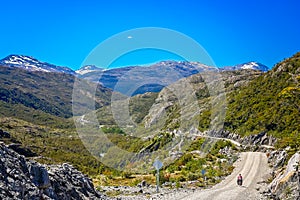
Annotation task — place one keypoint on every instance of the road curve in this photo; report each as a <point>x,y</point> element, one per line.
<point>252,165</point>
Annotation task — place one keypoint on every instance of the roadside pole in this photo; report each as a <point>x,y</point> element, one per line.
<point>157,180</point>
<point>157,165</point>
<point>204,177</point>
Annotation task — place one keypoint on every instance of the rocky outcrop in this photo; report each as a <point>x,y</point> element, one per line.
<point>4,134</point>
<point>277,158</point>
<point>286,183</point>
<point>223,134</point>
<point>261,139</point>
<point>22,150</point>
<point>25,179</point>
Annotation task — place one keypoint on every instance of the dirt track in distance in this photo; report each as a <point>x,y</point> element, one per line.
<point>252,165</point>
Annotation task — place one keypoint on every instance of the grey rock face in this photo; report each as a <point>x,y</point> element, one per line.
<point>286,184</point>
<point>277,158</point>
<point>259,139</point>
<point>22,179</point>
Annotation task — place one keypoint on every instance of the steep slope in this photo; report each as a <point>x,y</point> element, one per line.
<point>269,103</point>
<point>41,91</point>
<point>168,103</point>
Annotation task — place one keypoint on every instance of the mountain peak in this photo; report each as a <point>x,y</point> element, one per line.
<point>88,68</point>
<point>32,64</point>
<point>19,60</point>
<point>254,65</point>
<point>248,65</point>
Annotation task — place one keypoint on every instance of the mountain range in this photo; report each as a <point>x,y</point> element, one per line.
<point>165,73</point>
<point>185,68</point>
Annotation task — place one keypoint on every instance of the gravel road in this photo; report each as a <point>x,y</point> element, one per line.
<point>252,165</point>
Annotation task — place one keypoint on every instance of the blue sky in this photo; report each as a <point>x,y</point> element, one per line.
<point>231,31</point>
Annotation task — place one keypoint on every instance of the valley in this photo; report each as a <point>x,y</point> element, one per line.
<point>214,130</point>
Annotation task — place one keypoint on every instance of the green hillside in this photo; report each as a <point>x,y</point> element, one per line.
<point>269,103</point>
<point>36,109</point>
<point>47,92</point>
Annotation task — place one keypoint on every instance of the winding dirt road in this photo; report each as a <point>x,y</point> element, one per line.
<point>252,165</point>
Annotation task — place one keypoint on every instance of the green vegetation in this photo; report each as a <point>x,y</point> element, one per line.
<point>47,92</point>
<point>269,103</point>
<point>189,167</point>
<point>204,120</point>
<point>55,145</point>
<point>37,117</point>
<point>40,118</point>
<point>113,129</point>
<point>140,105</point>
<point>36,109</point>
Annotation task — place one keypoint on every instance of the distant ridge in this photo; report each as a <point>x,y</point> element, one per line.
<point>180,69</point>
<point>32,64</point>
<point>166,72</point>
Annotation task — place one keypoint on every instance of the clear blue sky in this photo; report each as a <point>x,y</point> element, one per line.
<point>231,31</point>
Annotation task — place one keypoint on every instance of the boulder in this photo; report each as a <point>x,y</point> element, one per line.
<point>143,183</point>
<point>4,134</point>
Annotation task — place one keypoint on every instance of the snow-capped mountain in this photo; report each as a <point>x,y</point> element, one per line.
<point>87,69</point>
<point>249,65</point>
<point>32,64</point>
<point>164,72</point>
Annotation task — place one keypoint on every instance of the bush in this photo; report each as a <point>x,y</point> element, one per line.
<point>126,174</point>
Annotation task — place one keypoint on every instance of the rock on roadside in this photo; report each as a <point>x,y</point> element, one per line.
<point>22,179</point>
<point>286,183</point>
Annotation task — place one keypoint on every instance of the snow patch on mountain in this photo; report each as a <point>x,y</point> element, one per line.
<point>249,65</point>
<point>88,68</point>
<point>32,64</point>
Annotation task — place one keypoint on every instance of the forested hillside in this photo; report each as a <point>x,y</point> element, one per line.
<point>269,103</point>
